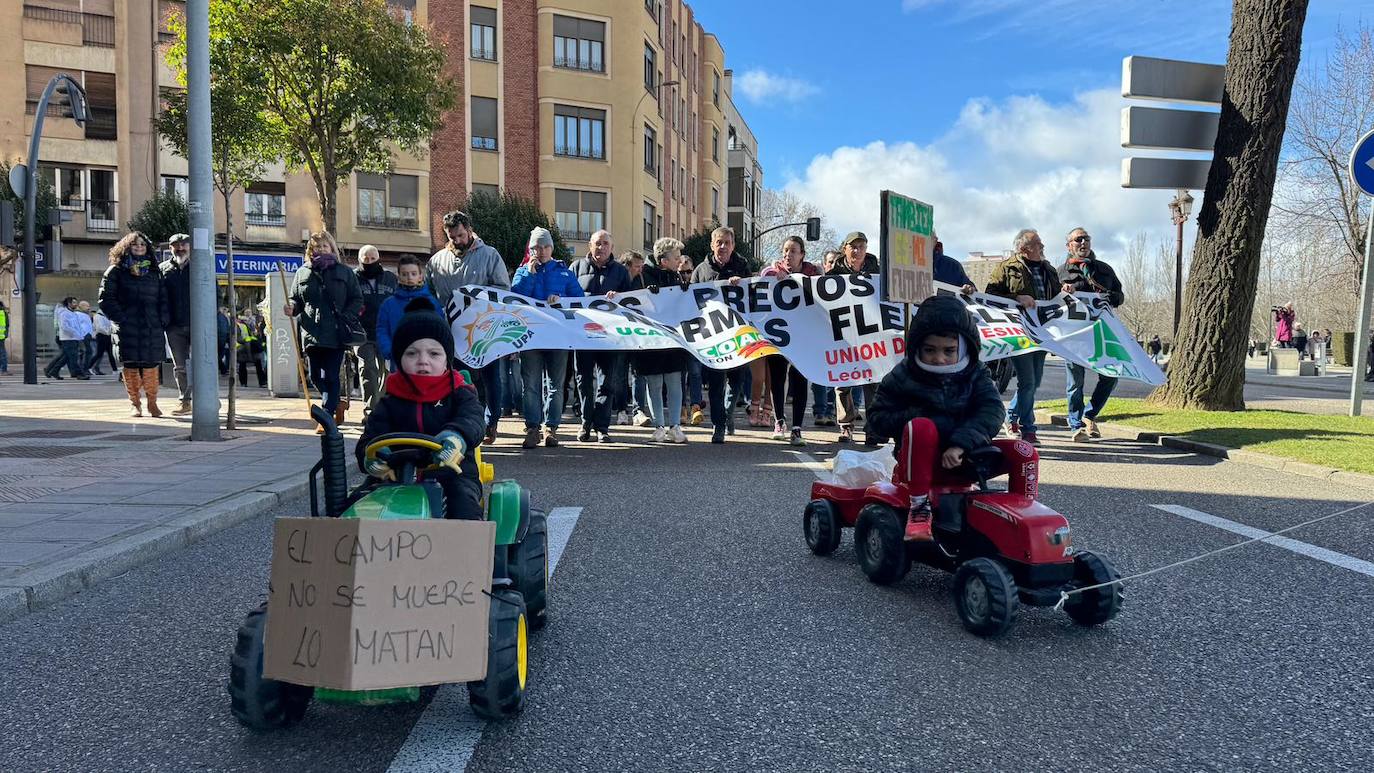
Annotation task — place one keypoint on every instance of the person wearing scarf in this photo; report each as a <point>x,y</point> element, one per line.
<point>134,297</point>
<point>321,293</point>
<point>376,285</point>
<point>426,396</point>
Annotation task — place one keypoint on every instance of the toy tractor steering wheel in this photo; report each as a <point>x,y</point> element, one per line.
<point>406,453</point>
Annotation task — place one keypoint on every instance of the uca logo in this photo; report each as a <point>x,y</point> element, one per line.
<point>496,327</point>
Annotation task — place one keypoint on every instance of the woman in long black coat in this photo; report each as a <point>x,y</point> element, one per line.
<point>133,297</point>
<point>323,295</point>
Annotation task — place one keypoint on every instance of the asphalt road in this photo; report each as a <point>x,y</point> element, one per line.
<point>691,630</point>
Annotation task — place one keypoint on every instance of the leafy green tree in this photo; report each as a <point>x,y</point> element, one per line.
<point>505,220</point>
<point>161,216</point>
<point>341,82</point>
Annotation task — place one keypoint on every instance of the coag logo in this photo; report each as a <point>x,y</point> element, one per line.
<point>594,330</point>
<point>747,344</point>
<point>495,327</point>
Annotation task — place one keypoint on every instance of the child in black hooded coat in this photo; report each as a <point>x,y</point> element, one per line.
<point>426,396</point>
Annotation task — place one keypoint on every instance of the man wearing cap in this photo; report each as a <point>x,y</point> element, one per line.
<point>544,279</point>
<point>376,284</point>
<point>176,281</point>
<point>855,260</point>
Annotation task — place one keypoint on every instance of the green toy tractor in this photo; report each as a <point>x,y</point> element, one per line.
<point>519,580</point>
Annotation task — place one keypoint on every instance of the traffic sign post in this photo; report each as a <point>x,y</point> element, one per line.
<point>1362,175</point>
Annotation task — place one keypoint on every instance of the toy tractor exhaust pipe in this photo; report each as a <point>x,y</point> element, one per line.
<point>333,464</point>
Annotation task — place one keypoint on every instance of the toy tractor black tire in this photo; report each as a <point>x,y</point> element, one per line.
<point>880,542</point>
<point>985,595</point>
<point>821,525</point>
<point>1099,605</point>
<point>529,568</point>
<point>501,695</point>
<point>258,702</point>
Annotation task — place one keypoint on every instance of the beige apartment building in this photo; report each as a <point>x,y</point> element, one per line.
<point>613,114</point>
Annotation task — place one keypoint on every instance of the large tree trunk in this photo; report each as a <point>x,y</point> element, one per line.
<point>1208,370</point>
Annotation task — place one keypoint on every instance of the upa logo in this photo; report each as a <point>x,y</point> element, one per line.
<point>594,330</point>
<point>747,344</point>
<point>496,327</point>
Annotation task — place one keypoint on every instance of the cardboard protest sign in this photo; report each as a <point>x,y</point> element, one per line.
<point>908,248</point>
<point>363,603</point>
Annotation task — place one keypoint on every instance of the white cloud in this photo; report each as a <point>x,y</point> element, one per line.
<point>1018,163</point>
<point>762,86</point>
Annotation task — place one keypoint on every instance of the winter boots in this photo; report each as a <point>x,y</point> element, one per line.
<point>133,381</point>
<point>150,385</point>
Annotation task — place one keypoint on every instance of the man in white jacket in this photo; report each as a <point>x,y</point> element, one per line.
<point>72,329</point>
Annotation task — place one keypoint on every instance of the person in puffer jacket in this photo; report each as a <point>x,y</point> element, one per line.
<point>410,287</point>
<point>939,400</point>
<point>426,396</point>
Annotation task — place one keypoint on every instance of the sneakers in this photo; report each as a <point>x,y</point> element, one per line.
<point>918,522</point>
<point>551,438</point>
<point>1082,436</point>
<point>824,421</point>
<point>1032,438</point>
<point>605,438</point>
<point>779,431</point>
<point>678,435</point>
<point>660,434</point>
<point>846,433</point>
<point>797,439</point>
<point>1093,429</point>
<point>585,436</point>
<point>532,438</point>
<point>718,435</point>
<point>643,419</point>
<point>622,419</point>
<point>697,416</point>
<point>183,409</point>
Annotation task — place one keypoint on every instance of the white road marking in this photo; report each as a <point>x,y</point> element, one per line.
<point>820,469</point>
<point>446,734</point>
<point>1311,551</point>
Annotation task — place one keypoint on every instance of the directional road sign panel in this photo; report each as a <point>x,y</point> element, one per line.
<point>1144,77</point>
<point>1362,164</point>
<point>1159,129</point>
<point>1165,173</point>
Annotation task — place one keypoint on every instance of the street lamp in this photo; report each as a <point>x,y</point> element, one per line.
<point>73,100</point>
<point>634,122</point>
<point>1180,208</point>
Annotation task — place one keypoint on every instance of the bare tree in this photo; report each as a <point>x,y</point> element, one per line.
<point>1134,274</point>
<point>777,207</point>
<point>1208,370</point>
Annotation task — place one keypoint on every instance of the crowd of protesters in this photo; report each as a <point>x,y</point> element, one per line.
<point>144,316</point>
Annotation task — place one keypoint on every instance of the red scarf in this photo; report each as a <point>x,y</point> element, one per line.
<point>424,389</point>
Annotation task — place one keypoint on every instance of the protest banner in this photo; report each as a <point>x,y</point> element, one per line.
<point>834,329</point>
<point>908,248</point>
<point>365,603</point>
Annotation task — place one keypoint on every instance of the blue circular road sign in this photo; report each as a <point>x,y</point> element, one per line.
<point>1362,164</point>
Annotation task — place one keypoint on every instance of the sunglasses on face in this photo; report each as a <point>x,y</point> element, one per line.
<point>1081,239</point>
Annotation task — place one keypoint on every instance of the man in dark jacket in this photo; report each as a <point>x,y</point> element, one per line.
<point>176,278</point>
<point>1084,273</point>
<point>600,375</point>
<point>376,284</point>
<point>1025,277</point>
<point>855,260</point>
<point>950,271</point>
<point>724,385</point>
<point>939,401</point>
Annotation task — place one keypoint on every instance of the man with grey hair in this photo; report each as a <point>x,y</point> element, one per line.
<point>722,264</point>
<point>1084,272</point>
<point>600,375</point>
<point>855,259</point>
<point>1025,277</point>
<point>377,284</point>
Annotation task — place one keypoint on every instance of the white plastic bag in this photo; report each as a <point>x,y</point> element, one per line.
<point>857,469</point>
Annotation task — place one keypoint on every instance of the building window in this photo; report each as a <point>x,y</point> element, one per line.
<point>578,44</point>
<point>715,88</point>
<point>681,116</point>
<point>650,67</point>
<point>715,145</point>
<point>67,184</point>
<point>388,201</point>
<point>681,187</point>
<point>579,132</point>
<point>264,204</point>
<point>650,157</point>
<point>682,54</point>
<point>578,214</point>
<point>715,204</point>
<point>101,205</point>
<point>649,220</point>
<point>652,7</point>
<point>483,33</point>
<point>177,185</point>
<point>486,189</point>
<point>484,123</point>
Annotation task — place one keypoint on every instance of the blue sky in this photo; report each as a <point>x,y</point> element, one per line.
<point>998,112</point>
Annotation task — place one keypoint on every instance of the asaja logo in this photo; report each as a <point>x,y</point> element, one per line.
<point>496,327</point>
<point>746,344</point>
<point>594,330</point>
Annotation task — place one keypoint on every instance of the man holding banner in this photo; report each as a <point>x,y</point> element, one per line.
<point>855,260</point>
<point>722,264</point>
<point>1083,272</point>
<point>599,273</point>
<point>1025,277</point>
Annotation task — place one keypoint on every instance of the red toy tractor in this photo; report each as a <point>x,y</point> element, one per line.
<point>1004,547</point>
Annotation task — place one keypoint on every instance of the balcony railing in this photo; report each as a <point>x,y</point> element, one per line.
<point>594,153</point>
<point>485,54</point>
<point>573,63</point>
<point>484,143</point>
<point>265,219</point>
<point>96,29</point>
<point>390,223</point>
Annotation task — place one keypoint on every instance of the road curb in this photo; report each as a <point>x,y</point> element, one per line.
<point>46,586</point>
<point>1239,456</point>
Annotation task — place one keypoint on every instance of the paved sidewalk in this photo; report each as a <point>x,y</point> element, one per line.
<point>87,492</point>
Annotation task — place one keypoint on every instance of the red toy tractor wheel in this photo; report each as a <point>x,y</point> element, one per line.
<point>880,543</point>
<point>1096,606</point>
<point>821,524</point>
<point>985,594</point>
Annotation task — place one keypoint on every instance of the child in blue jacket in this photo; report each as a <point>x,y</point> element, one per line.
<point>411,276</point>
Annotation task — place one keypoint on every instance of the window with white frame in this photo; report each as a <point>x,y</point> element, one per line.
<point>388,201</point>
<point>264,204</point>
<point>483,33</point>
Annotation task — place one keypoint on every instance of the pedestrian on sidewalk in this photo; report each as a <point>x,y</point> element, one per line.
<point>543,278</point>
<point>4,338</point>
<point>133,296</point>
<point>785,380</point>
<point>1083,272</point>
<point>1025,277</point>
<point>72,329</point>
<point>1283,330</point>
<point>1157,348</point>
<point>250,350</point>
<point>467,260</point>
<point>601,375</point>
<point>855,260</point>
<point>326,298</point>
<point>1299,340</point>
<point>376,284</point>
<point>104,342</point>
<point>176,278</point>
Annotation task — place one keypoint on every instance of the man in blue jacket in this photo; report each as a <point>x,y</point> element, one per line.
<point>599,273</point>
<point>949,271</point>
<point>548,280</point>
